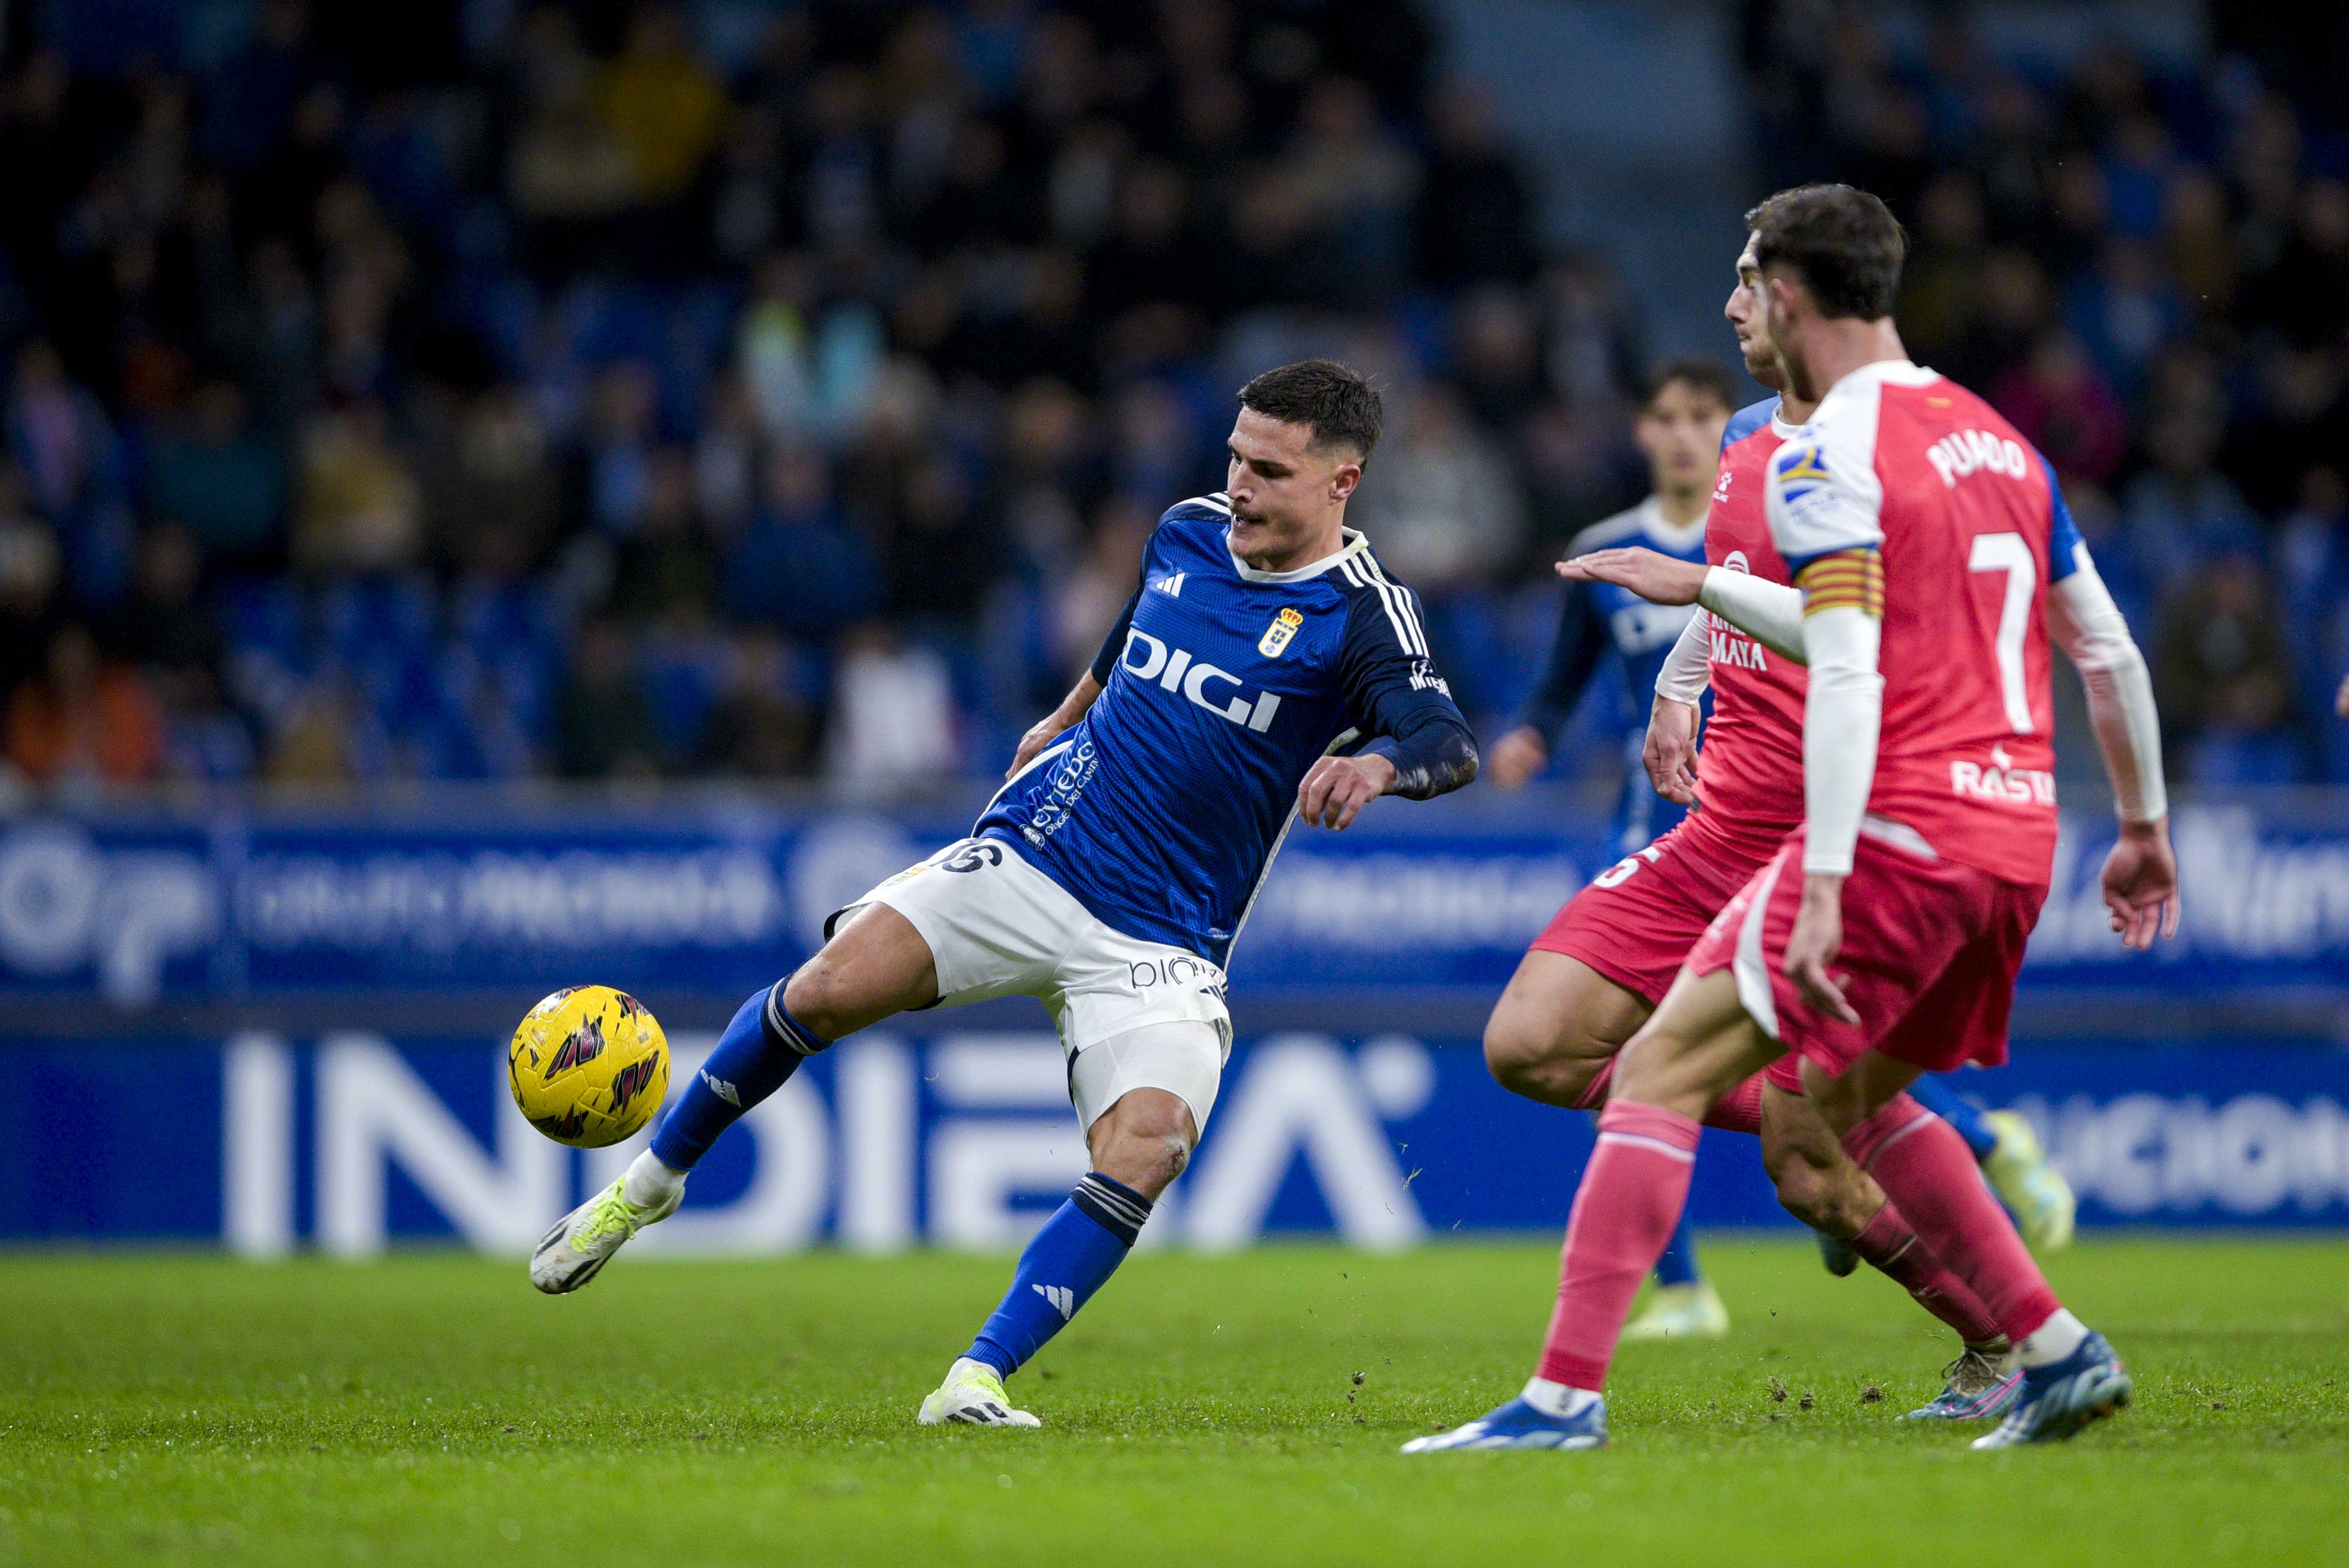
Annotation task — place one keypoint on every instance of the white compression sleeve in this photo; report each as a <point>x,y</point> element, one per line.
<point>1841,721</point>
<point>1688,667</point>
<point>1770,613</point>
<point>2090,627</point>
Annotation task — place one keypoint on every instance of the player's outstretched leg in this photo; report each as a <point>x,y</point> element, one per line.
<point>1820,1184</point>
<point>2071,1376</point>
<point>1700,1046</point>
<point>1138,1146</point>
<point>2018,1169</point>
<point>877,965</point>
<point>754,1056</point>
<point>1552,1037</point>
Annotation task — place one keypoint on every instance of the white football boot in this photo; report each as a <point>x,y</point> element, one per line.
<point>583,1240</point>
<point>1680,1311</point>
<point>972,1395</point>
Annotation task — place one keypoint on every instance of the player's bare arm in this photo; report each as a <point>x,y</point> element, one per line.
<point>1670,751</point>
<point>1040,734</point>
<point>1333,793</point>
<point>1517,756</point>
<point>1770,613</point>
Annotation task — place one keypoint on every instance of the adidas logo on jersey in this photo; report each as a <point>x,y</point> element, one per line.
<point>1175,670</point>
<point>1956,455</point>
<point>1172,585</point>
<point>1062,1299</point>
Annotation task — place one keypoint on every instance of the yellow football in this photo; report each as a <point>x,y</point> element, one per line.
<point>589,1066</point>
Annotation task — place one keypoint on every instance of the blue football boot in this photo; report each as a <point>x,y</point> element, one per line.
<point>2063,1396</point>
<point>1977,1387</point>
<point>1517,1425</point>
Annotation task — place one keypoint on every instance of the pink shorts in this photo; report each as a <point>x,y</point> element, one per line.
<point>1930,949</point>
<point>1637,920</point>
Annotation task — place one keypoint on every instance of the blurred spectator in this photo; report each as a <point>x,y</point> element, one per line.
<point>799,566</point>
<point>603,724</point>
<point>2224,677</point>
<point>360,508</point>
<point>1438,503</point>
<point>2066,408</point>
<point>1476,206</point>
<point>30,571</point>
<point>162,625</point>
<point>892,712</point>
<point>84,720</point>
<point>221,478</point>
<point>2183,511</point>
<point>663,105</point>
<point>761,726</point>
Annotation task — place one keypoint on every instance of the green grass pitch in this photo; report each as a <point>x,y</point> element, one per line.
<point>432,1409</point>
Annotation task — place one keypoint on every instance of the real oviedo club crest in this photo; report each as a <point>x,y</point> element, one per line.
<point>1276,635</point>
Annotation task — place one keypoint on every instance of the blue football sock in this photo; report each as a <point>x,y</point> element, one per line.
<point>1071,1257</point>
<point>760,1050</point>
<point>1678,1265</point>
<point>1958,1111</point>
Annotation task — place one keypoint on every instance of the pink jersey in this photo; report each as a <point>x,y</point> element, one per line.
<point>1749,768</point>
<point>1901,459</point>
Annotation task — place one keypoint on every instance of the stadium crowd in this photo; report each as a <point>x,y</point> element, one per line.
<point>487,390</point>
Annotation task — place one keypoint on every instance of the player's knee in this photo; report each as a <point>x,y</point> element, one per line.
<point>1823,1193</point>
<point>1143,1141</point>
<point>1535,1058</point>
<point>818,997</point>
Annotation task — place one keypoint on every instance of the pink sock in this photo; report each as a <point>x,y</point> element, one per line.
<point>1631,1198</point>
<point>1894,1249</point>
<point>1740,1110</point>
<point>1926,1168</point>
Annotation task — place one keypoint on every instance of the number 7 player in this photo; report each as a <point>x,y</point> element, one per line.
<point>1883,937</point>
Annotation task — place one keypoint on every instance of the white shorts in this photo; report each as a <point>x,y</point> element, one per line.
<point>1132,1014</point>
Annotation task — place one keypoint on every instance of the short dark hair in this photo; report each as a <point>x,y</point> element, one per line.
<point>1336,402</point>
<point>1697,375</point>
<point>1846,244</point>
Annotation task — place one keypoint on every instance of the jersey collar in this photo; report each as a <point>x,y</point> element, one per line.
<point>1886,373</point>
<point>1682,539</point>
<point>1354,545</point>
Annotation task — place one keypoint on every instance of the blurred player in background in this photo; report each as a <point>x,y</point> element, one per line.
<point>1266,669</point>
<point>1935,558</point>
<point>1683,408</point>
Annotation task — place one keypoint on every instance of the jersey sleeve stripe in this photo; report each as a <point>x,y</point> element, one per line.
<point>1358,570</point>
<point>1402,598</point>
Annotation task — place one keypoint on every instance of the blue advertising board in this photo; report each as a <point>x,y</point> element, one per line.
<point>350,1142</point>
<point>714,898</point>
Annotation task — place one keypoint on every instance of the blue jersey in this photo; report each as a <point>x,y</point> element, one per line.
<point>1162,808</point>
<point>1599,619</point>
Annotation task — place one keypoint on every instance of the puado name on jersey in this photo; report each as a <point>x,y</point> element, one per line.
<point>1961,452</point>
<point>1174,670</point>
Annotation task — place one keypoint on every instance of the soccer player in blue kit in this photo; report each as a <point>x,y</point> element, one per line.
<point>1266,670</point>
<point>1684,407</point>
